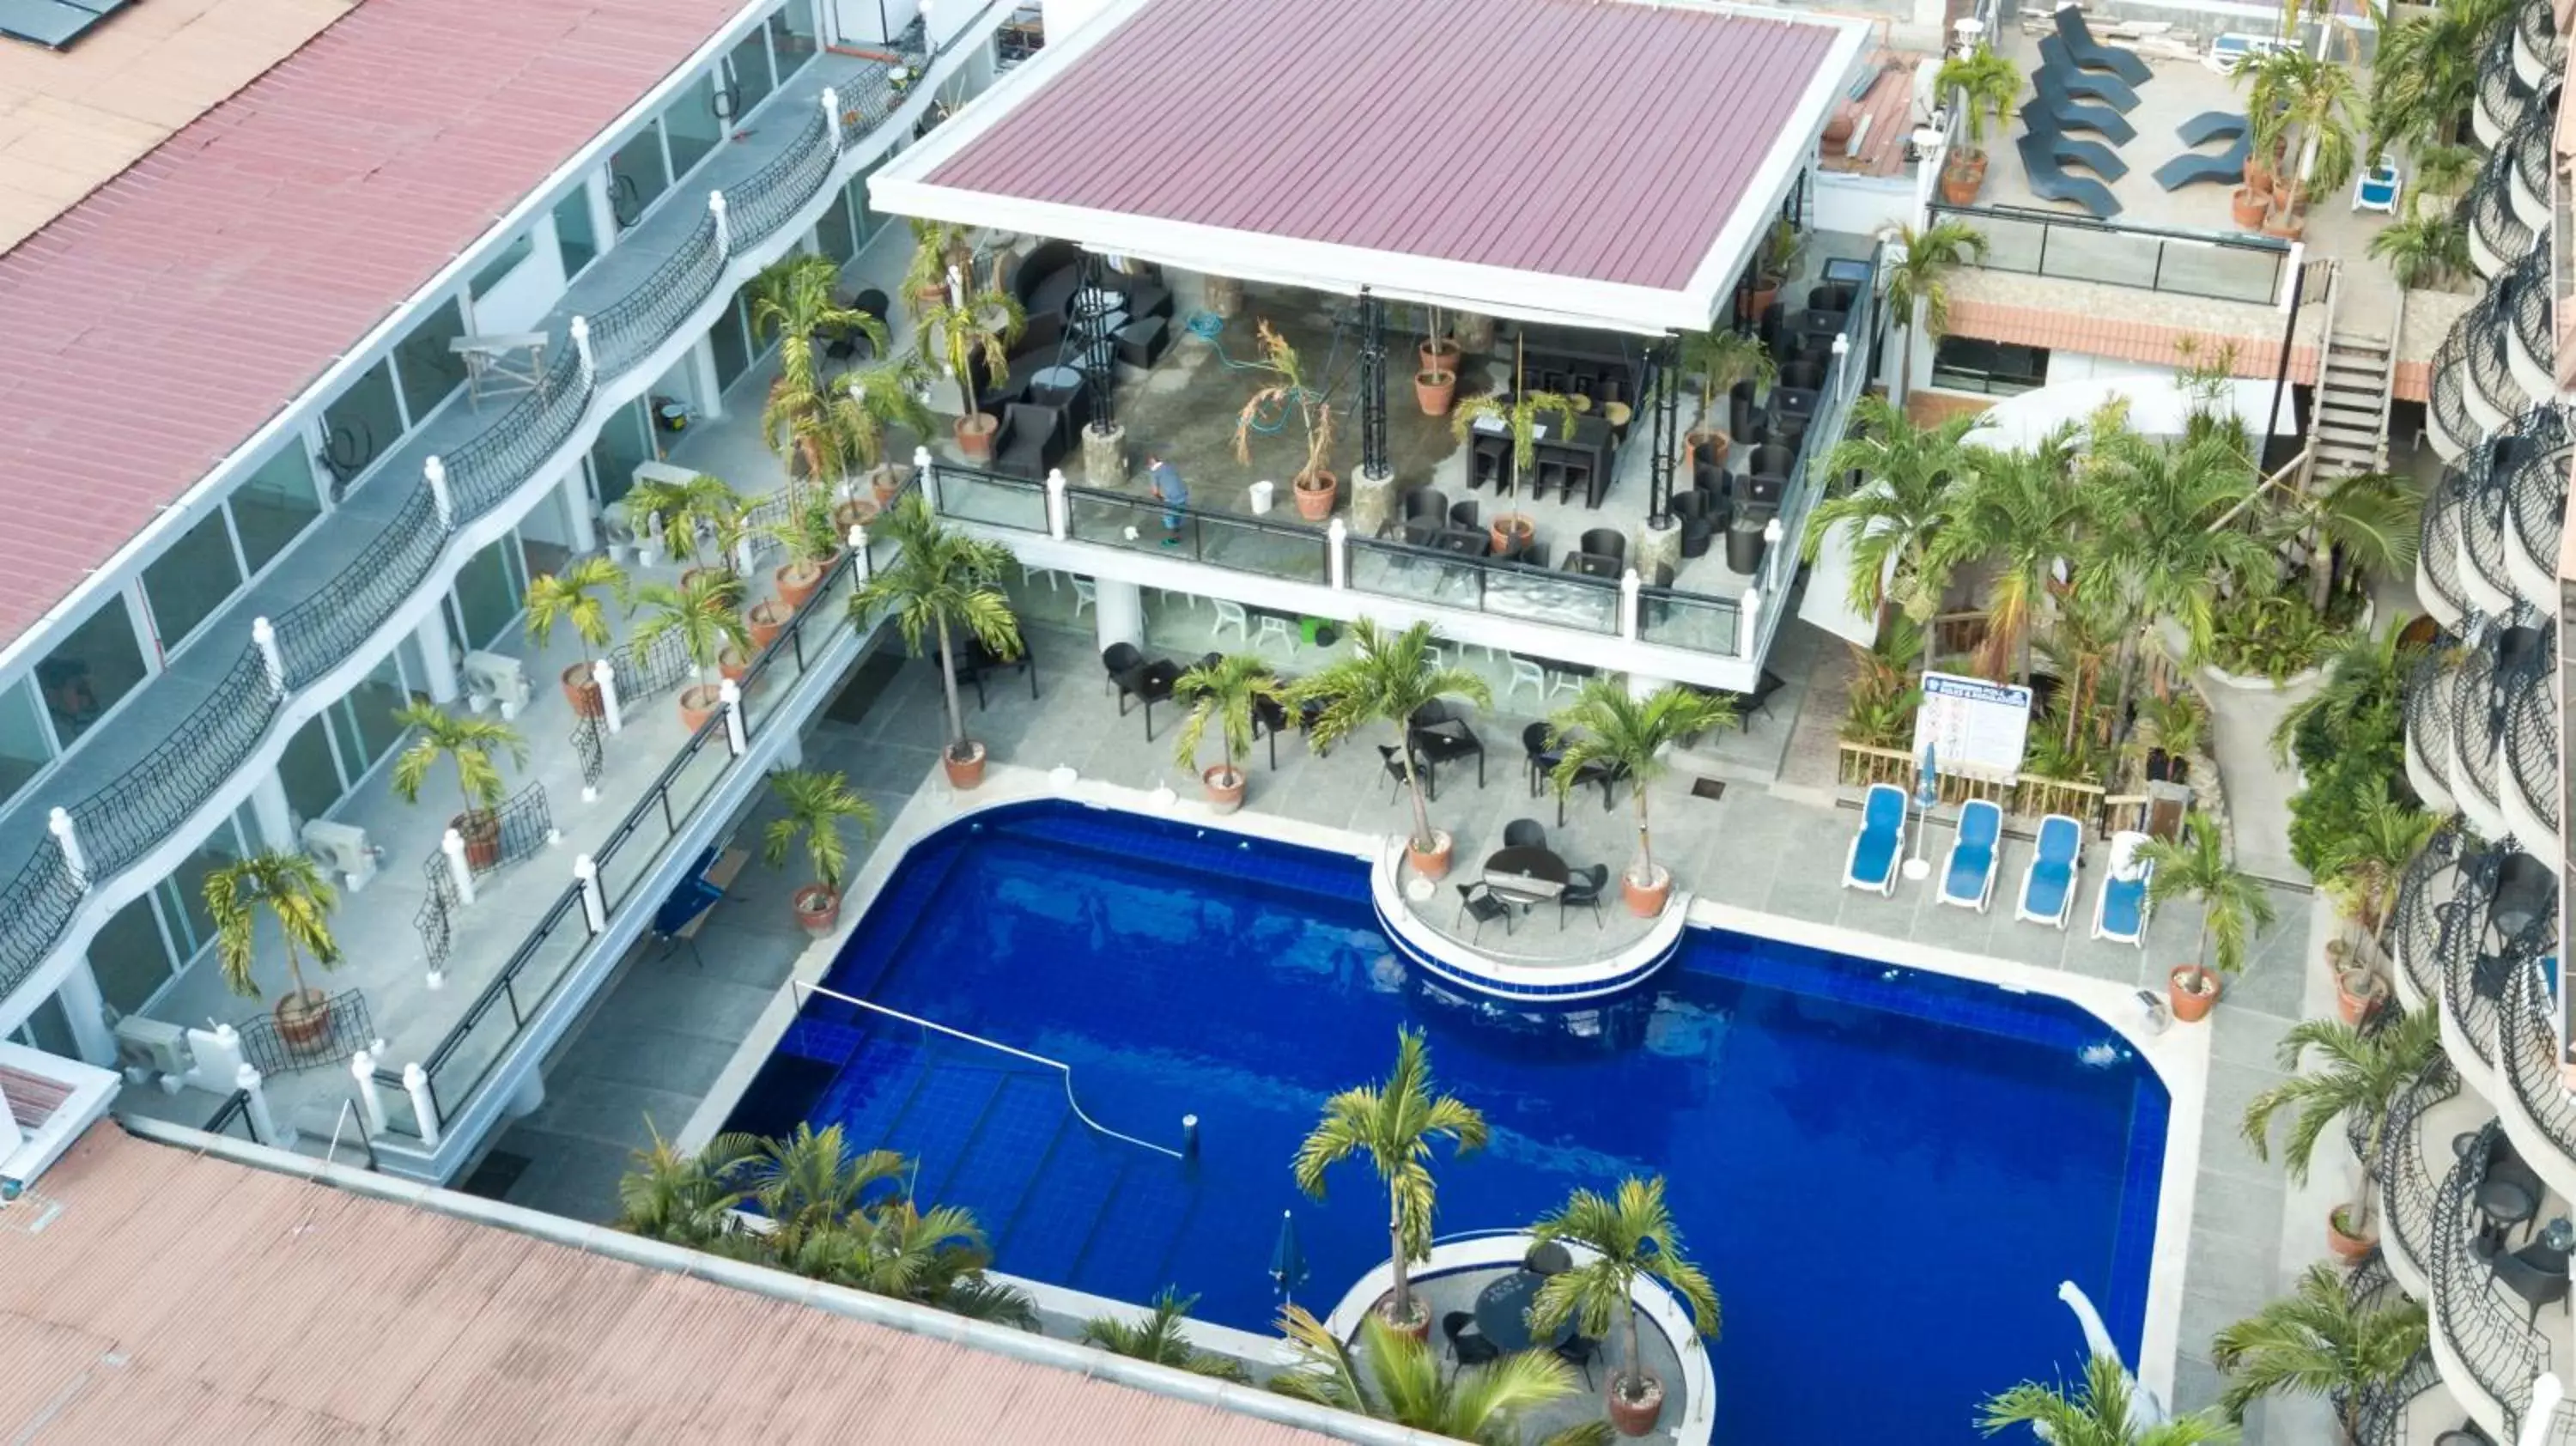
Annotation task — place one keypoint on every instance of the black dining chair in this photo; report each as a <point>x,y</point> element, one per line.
<point>1603,774</point>
<point>1269,720</point>
<point>1394,764</point>
<point>1483,905</point>
<point>1524,833</point>
<point>2535,1282</point>
<point>1467,1343</point>
<point>1119,660</point>
<point>1463,515</point>
<point>1542,759</point>
<point>1607,542</point>
<point>1578,1352</point>
<point>1584,886</point>
<point>1424,504</point>
<point>1438,737</point>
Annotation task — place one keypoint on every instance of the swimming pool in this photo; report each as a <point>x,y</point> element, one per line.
<point>1886,1173</point>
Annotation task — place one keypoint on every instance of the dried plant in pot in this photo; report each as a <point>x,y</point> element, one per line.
<point>1266,410</point>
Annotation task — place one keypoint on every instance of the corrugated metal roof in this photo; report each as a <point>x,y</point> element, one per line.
<point>157,324</point>
<point>180,1296</point>
<point>1601,141</point>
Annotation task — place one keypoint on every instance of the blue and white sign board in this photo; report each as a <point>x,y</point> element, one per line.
<point>1979,728</point>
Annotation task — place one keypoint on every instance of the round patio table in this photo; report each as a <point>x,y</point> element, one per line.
<point>1530,862</point>
<point>1502,1313</point>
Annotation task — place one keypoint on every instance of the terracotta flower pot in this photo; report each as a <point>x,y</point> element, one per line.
<point>1432,863</point>
<point>1962,179</point>
<point>2288,227</point>
<point>2192,990</point>
<point>818,909</point>
<point>1416,1325</point>
<point>1434,391</point>
<point>581,689</point>
<point>1223,795</point>
<point>2347,1246</point>
<point>975,435</point>
<point>1636,1401</point>
<point>1315,494</point>
<point>856,512</point>
<point>768,620</point>
<point>2248,207</point>
<point>698,703</point>
<point>1838,132</point>
<point>1647,900</point>
<point>1511,533</point>
<point>2258,177</point>
<point>798,582</point>
<point>1709,444</point>
<point>692,578</point>
<point>734,663</point>
<point>303,1016</point>
<point>1438,356</point>
<point>1766,289</point>
<point>965,770</point>
<point>481,830</point>
<point>2358,994</point>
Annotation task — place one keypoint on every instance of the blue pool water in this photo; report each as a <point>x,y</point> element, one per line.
<point>1885,1173</point>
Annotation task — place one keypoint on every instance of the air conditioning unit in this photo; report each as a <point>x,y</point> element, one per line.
<point>495,678</point>
<point>152,1046</point>
<point>343,849</point>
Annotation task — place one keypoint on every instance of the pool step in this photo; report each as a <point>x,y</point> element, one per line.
<point>995,1170</point>
<point>1129,1256</point>
<point>876,1082</point>
<point>939,1121</point>
<point>1062,1208</point>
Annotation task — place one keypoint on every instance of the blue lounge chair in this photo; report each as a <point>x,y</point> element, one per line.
<point>2048,885</point>
<point>1880,845</point>
<point>1968,876</point>
<point>2211,125</point>
<point>2070,114</point>
<point>2376,189</point>
<point>2120,910</point>
<point>2223,168</point>
<point>2067,150</point>
<point>2049,182</point>
<point>2111,90</point>
<point>2092,54</point>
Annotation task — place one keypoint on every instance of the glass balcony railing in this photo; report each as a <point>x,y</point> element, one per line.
<point>2181,263</point>
<point>1484,585</point>
<point>1286,550</point>
<point>154,797</point>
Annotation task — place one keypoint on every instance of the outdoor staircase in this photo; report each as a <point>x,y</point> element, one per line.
<point>2349,432</point>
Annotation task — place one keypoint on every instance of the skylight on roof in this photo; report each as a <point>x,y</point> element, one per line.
<point>54,24</point>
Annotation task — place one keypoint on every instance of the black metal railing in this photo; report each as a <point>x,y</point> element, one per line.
<point>2481,504</point>
<point>1500,588</point>
<point>436,925</point>
<point>2449,404</point>
<point>316,634</point>
<point>589,744</point>
<point>524,826</point>
<point>2536,26</point>
<point>650,667</point>
<point>2409,1183</point>
<point>271,1050</point>
<point>2221,265</point>
<point>2529,148</point>
<point>2414,926</point>
<point>2527,303</point>
<point>2502,97</point>
<point>488,470</point>
<point>232,1117</point>
<point>2482,328</point>
<point>129,817</point>
<point>2485,1328</point>
<point>626,331</point>
<point>2465,972</point>
<point>2538,486</point>
<point>2490,212</point>
<point>758,207</point>
<point>2527,1039</point>
<point>2531,745</point>
<point>2475,726</point>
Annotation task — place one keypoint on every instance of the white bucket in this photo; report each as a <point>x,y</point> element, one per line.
<point>1261,494</point>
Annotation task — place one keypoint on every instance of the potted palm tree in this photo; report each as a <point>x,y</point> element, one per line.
<point>1160,1338</point>
<point>1919,279</point>
<point>1315,487</point>
<point>1388,678</point>
<point>1624,1240</point>
<point>1987,85</point>
<point>290,889</point>
<point>473,745</point>
<point>2303,106</point>
<point>812,541</point>
<point>572,597</point>
<point>1720,358</point>
<point>2324,1340</point>
<point>942,583</point>
<point>701,517</point>
<point>2363,868</point>
<point>1223,694</point>
<point>1780,254</point>
<point>1520,415</point>
<point>813,805</point>
<point>980,325</point>
<point>1397,1378</point>
<point>705,613</point>
<point>1608,727</point>
<point>2103,1410</point>
<point>2343,1072</point>
<point>796,299</point>
<point>1394,1124</point>
<point>2233,907</point>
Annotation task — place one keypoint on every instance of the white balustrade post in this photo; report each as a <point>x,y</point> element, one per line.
<point>862,567</point>
<point>436,471</point>
<point>1058,522</point>
<point>424,1105</point>
<point>1337,553</point>
<point>1776,566</point>
<point>594,903</point>
<point>606,677</point>
<point>452,844</point>
<point>956,287</point>
<point>371,1099</point>
<point>1629,582</point>
<point>263,635</point>
<point>928,472</point>
<point>737,738</point>
<point>580,329</point>
<point>1749,623</point>
<point>60,821</point>
<point>10,1134</point>
<point>263,1121</point>
<point>832,117</point>
<point>724,228</point>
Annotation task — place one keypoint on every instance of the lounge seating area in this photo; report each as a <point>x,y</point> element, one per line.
<point>2080,85</point>
<point>1876,860</point>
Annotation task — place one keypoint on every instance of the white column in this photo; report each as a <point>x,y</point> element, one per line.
<point>701,364</point>
<point>263,1121</point>
<point>275,816</point>
<point>1337,553</point>
<point>1629,582</point>
<point>594,904</point>
<point>371,1096</point>
<point>441,665</point>
<point>67,838</point>
<point>737,737</point>
<point>724,227</point>
<point>527,1098</point>
<point>832,116</point>
<point>424,1108</point>
<point>452,844</point>
<point>86,1008</point>
<point>609,714</point>
<point>579,326</point>
<point>1058,522</point>
<point>861,566</point>
<point>579,520</point>
<point>436,471</point>
<point>929,474</point>
<point>1118,609</point>
<point>1749,626</point>
<point>263,635</point>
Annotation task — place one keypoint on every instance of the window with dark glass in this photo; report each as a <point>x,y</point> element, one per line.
<point>2000,369</point>
<point>275,504</point>
<point>428,368</point>
<point>84,676</point>
<point>187,583</point>
<point>574,238</point>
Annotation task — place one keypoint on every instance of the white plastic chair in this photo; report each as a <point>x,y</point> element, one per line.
<point>1525,670</point>
<point>1085,593</point>
<point>1231,615</point>
<point>1274,626</point>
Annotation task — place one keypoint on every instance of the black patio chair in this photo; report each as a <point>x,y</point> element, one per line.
<point>2063,108</point>
<point>1748,706</point>
<point>1439,737</point>
<point>1578,1352</point>
<point>2108,89</point>
<point>1030,441</point>
<point>1118,660</point>
<point>1269,720</point>
<point>1483,905</point>
<point>1525,833</point>
<point>1467,1343</point>
<point>976,661</point>
<point>2537,1281</point>
<point>2049,181</point>
<point>2092,54</point>
<point>1144,682</point>
<point>1394,765</point>
<point>1541,760</point>
<point>1605,774</point>
<point>1607,542</point>
<point>1423,504</point>
<point>1584,886</point>
<point>1463,514</point>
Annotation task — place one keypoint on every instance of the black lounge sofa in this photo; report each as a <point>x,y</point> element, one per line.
<point>2111,90</point>
<point>2092,54</point>
<point>2051,183</point>
<point>2070,114</point>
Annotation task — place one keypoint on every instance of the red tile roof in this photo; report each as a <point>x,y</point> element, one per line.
<point>1606,140</point>
<point>156,325</point>
<point>175,1296</point>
